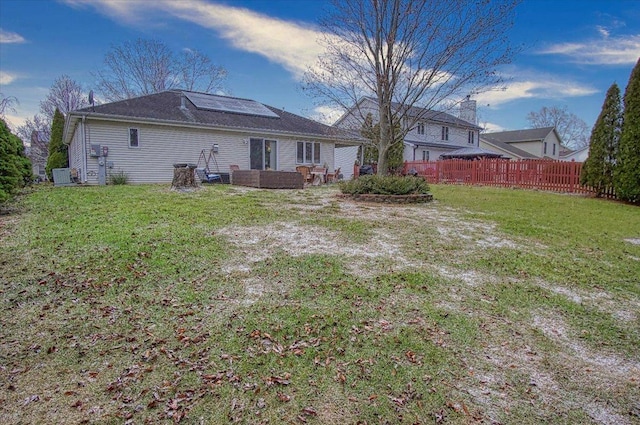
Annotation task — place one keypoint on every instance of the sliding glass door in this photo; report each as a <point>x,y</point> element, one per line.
<point>263,154</point>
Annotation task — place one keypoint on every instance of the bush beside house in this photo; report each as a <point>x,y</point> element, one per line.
<point>15,167</point>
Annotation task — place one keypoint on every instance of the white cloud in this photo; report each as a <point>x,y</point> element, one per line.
<point>292,45</point>
<point>10,37</point>
<point>490,127</point>
<point>14,121</point>
<point>603,31</point>
<point>6,78</point>
<point>543,87</point>
<point>326,114</point>
<point>606,51</point>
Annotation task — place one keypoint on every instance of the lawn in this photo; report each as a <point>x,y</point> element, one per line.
<point>138,304</point>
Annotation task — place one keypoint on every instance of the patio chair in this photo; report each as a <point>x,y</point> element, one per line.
<point>307,177</point>
<point>333,177</point>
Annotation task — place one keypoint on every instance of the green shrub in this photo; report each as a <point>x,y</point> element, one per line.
<point>119,177</point>
<point>385,185</point>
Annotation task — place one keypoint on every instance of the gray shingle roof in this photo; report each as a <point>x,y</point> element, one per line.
<point>515,136</point>
<point>435,116</point>
<point>166,107</point>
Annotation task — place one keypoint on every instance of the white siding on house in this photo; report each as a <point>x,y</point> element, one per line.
<point>161,146</point>
<point>76,153</point>
<point>288,154</point>
<point>580,155</point>
<point>345,158</point>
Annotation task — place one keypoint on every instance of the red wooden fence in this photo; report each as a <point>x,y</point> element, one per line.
<point>543,174</point>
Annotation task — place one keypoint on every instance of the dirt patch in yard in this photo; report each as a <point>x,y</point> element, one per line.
<point>257,243</point>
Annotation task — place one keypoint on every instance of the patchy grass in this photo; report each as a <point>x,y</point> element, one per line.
<point>140,304</point>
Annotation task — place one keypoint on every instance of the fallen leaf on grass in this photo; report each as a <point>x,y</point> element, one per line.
<point>278,380</point>
<point>284,397</point>
<point>310,411</point>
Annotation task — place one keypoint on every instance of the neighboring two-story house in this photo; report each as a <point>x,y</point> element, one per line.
<point>534,143</point>
<point>432,133</point>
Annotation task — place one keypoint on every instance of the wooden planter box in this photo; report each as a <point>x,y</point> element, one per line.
<point>267,179</point>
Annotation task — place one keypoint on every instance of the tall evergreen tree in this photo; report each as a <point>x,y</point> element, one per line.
<point>627,173</point>
<point>58,155</point>
<point>15,167</point>
<point>597,171</point>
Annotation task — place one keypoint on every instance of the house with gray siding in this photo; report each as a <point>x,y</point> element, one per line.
<point>143,137</point>
<point>430,133</point>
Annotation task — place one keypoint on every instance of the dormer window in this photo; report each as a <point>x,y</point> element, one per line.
<point>472,137</point>
<point>420,128</point>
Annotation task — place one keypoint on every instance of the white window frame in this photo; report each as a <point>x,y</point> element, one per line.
<point>545,148</point>
<point>425,155</point>
<point>137,130</point>
<point>308,147</point>
<point>472,137</point>
<point>445,133</point>
<point>420,128</point>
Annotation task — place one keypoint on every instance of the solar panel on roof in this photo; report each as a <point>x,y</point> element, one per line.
<point>228,104</point>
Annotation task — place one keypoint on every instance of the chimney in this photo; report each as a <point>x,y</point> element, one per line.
<point>182,104</point>
<point>468,110</point>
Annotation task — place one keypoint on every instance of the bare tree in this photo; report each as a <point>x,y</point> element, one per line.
<point>148,66</point>
<point>572,130</point>
<point>66,95</point>
<point>36,132</point>
<point>406,53</point>
<point>198,73</point>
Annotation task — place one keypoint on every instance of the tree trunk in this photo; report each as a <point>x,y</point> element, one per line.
<point>385,139</point>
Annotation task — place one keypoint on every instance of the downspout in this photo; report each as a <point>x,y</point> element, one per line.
<point>84,149</point>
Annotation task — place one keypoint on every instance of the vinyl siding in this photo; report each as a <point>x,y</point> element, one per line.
<point>160,146</point>
<point>434,152</point>
<point>75,153</point>
<point>534,148</point>
<point>345,157</point>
